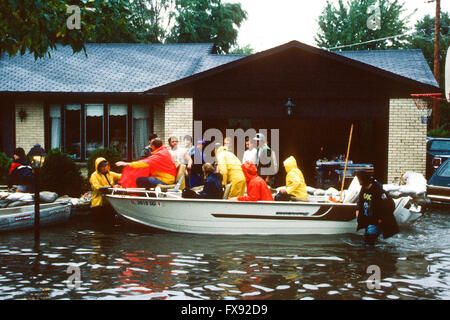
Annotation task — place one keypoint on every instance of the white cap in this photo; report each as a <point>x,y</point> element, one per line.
<point>259,137</point>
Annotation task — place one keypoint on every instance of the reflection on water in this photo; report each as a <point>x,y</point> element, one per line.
<point>127,261</point>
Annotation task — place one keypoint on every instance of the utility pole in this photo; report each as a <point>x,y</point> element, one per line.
<point>437,27</point>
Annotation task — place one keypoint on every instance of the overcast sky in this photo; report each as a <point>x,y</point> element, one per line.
<point>274,22</point>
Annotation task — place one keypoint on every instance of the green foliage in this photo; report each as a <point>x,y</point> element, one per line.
<point>347,24</point>
<point>112,155</point>
<point>423,38</point>
<point>247,50</point>
<point>5,165</point>
<point>60,174</point>
<point>152,19</point>
<point>441,132</point>
<point>39,25</point>
<point>205,21</point>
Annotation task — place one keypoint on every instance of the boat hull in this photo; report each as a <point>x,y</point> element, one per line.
<point>19,218</point>
<point>233,218</point>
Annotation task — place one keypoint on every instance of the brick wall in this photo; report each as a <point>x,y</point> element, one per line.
<point>175,118</point>
<point>31,130</point>
<point>407,139</point>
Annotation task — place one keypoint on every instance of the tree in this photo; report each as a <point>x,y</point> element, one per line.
<point>423,38</point>
<point>152,19</point>
<point>38,26</point>
<point>242,50</point>
<point>206,21</point>
<point>361,21</point>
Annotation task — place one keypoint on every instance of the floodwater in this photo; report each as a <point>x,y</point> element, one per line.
<point>127,261</point>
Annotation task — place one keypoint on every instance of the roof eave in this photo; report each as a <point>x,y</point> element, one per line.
<point>294,44</point>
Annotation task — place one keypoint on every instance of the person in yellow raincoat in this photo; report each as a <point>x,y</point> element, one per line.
<point>102,177</point>
<point>295,183</point>
<point>230,168</point>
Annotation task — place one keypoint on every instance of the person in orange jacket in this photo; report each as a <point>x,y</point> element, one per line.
<point>257,189</point>
<point>159,168</point>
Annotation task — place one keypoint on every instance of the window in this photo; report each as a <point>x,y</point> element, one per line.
<point>79,129</point>
<point>73,130</point>
<point>445,170</point>
<point>141,127</point>
<point>93,128</point>
<point>117,125</point>
<point>55,126</point>
<point>437,145</point>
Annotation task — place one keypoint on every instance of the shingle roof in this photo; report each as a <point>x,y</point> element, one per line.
<point>141,67</point>
<point>408,63</point>
<point>107,68</point>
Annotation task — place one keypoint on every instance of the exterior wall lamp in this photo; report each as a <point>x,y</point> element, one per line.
<point>22,115</point>
<point>289,107</point>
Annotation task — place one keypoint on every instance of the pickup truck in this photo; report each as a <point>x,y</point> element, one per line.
<point>438,150</point>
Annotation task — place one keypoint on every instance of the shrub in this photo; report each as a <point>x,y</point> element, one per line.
<point>60,174</point>
<point>5,165</point>
<point>112,155</point>
<point>440,132</point>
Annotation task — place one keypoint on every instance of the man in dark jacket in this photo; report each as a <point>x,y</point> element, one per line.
<point>213,183</point>
<point>212,188</point>
<point>374,210</point>
<point>21,173</point>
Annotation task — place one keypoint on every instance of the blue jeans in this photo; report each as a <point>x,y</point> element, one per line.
<point>148,182</point>
<point>371,234</point>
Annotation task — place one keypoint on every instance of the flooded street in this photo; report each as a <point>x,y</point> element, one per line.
<point>127,261</point>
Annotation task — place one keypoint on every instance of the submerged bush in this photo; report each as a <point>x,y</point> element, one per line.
<point>5,165</point>
<point>60,174</point>
<point>111,155</point>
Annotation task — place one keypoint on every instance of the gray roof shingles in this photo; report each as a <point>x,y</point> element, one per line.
<point>140,67</point>
<point>408,63</point>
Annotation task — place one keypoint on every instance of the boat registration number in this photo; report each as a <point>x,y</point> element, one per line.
<point>151,203</point>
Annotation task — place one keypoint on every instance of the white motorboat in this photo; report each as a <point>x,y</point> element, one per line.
<point>23,217</point>
<point>168,211</point>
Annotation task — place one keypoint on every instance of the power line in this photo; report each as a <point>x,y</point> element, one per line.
<point>370,41</point>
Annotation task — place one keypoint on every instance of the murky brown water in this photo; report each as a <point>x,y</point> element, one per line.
<point>127,261</point>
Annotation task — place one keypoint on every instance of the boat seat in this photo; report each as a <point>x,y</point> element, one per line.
<point>198,188</point>
<point>226,191</point>
<point>180,183</point>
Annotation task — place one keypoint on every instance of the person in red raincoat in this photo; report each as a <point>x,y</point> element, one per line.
<point>159,168</point>
<point>257,189</point>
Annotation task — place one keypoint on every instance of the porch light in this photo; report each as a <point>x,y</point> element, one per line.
<point>37,157</point>
<point>289,107</point>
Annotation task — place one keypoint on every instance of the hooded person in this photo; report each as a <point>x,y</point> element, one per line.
<point>21,173</point>
<point>102,177</point>
<point>295,183</point>
<point>375,209</point>
<point>159,168</point>
<point>230,168</point>
<point>257,189</point>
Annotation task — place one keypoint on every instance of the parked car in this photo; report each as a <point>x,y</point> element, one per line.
<point>438,187</point>
<point>438,150</point>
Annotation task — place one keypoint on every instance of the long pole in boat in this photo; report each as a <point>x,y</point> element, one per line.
<point>346,161</point>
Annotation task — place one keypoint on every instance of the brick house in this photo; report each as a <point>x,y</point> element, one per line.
<point>119,93</point>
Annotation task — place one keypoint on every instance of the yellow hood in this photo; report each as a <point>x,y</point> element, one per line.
<point>97,162</point>
<point>223,148</point>
<point>290,163</point>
